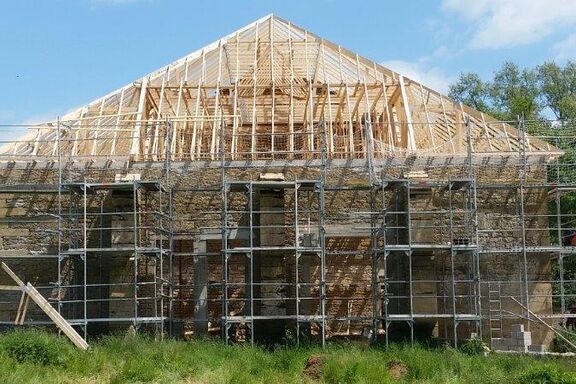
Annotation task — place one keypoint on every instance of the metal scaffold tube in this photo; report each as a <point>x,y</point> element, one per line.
<point>420,235</point>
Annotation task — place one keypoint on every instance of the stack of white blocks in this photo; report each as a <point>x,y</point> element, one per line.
<point>519,341</point>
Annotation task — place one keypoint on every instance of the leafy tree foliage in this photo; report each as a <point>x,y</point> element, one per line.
<point>535,93</point>
<point>558,88</point>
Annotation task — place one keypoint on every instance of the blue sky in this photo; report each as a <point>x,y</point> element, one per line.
<point>60,54</point>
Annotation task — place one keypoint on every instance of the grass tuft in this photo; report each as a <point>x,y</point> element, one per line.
<point>34,346</point>
<point>37,357</point>
<point>546,374</point>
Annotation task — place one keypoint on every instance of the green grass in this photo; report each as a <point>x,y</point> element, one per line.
<point>36,357</point>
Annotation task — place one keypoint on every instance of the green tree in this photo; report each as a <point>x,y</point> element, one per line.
<point>557,87</point>
<point>515,92</point>
<point>535,93</point>
<point>472,91</point>
<point>511,93</point>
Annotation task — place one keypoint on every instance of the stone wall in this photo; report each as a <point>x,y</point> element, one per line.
<point>197,215</point>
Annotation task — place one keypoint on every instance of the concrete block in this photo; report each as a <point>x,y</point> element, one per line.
<point>509,342</point>
<point>518,348</point>
<point>500,344</point>
<point>523,349</point>
<point>536,348</point>
<point>513,348</point>
<point>517,328</point>
<point>522,338</point>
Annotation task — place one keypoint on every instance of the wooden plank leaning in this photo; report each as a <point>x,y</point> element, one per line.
<point>48,309</point>
<point>546,324</point>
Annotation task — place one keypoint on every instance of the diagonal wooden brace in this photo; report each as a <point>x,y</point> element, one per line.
<point>32,293</point>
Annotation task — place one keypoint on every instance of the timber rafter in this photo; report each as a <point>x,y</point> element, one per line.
<point>268,87</point>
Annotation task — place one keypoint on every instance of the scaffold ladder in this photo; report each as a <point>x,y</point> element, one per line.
<point>495,309</point>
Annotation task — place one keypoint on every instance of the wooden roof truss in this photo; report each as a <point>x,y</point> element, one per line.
<point>268,90</point>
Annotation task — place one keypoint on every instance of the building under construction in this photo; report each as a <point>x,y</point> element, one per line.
<point>275,186</point>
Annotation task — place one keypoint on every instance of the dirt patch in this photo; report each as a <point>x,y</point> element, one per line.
<point>313,367</point>
<point>396,369</point>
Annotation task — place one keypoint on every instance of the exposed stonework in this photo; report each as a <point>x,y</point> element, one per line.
<point>28,226</point>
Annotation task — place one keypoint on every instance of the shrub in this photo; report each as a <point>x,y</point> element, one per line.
<point>559,345</point>
<point>33,347</point>
<point>474,346</point>
<point>546,375</point>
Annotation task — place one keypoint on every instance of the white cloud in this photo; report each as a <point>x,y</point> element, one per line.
<point>419,71</point>
<point>506,23</point>
<point>566,49</point>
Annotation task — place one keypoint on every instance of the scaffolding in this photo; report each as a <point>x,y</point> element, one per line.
<point>274,186</point>
<point>266,238</point>
<point>110,258</point>
<point>254,249</point>
<point>129,231</point>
